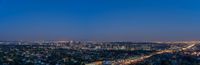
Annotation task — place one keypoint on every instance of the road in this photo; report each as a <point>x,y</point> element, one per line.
<point>133,61</point>
<point>142,58</point>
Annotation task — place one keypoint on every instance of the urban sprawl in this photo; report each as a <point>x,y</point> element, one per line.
<point>99,53</point>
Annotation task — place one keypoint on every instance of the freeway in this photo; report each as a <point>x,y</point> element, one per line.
<point>133,61</point>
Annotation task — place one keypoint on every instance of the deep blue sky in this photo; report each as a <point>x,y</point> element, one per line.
<point>104,20</point>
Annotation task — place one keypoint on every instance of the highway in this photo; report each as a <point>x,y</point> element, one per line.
<point>133,61</point>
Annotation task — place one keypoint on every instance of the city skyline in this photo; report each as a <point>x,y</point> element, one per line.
<point>100,20</point>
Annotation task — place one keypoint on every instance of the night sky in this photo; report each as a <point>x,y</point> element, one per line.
<point>100,20</point>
